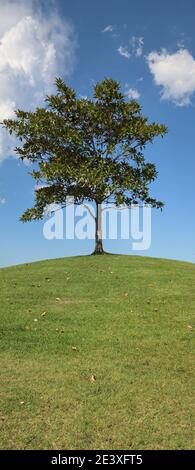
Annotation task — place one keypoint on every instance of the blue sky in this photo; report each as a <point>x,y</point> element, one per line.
<point>150,48</point>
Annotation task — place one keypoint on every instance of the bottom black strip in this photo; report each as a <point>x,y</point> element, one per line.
<point>86,459</point>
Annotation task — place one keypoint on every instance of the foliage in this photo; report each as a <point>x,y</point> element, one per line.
<point>87,148</point>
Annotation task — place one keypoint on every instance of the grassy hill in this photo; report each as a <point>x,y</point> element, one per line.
<point>125,320</point>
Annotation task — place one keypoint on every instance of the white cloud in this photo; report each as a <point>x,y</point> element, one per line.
<point>34,49</point>
<point>135,48</point>
<point>108,29</point>
<point>2,200</point>
<point>124,52</point>
<point>137,44</point>
<point>175,73</point>
<point>132,94</point>
<point>83,97</point>
<point>181,44</point>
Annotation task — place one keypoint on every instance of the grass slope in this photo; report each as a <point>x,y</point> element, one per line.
<point>129,319</point>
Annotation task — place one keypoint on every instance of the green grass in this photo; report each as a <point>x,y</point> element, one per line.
<point>130,320</point>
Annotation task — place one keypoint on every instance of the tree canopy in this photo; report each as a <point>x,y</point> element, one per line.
<point>91,149</point>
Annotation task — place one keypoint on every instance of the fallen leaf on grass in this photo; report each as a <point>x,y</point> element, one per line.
<point>57,299</point>
<point>22,403</point>
<point>190,327</point>
<point>92,378</point>
<point>74,348</point>
<point>2,418</point>
<point>35,319</point>
<point>43,314</point>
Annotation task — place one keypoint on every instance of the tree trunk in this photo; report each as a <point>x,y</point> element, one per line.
<point>98,231</point>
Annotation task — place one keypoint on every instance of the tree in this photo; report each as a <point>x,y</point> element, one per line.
<point>91,149</point>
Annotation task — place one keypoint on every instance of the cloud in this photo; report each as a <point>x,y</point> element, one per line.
<point>181,44</point>
<point>123,51</point>
<point>135,48</point>
<point>132,94</point>
<point>137,44</point>
<point>34,49</point>
<point>175,73</point>
<point>108,29</point>
<point>83,97</point>
<point>2,200</point>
